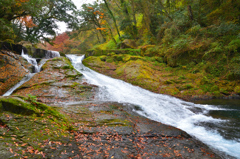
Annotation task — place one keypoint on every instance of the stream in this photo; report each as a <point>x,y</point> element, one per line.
<point>216,125</point>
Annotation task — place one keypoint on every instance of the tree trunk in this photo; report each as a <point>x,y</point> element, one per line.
<point>190,12</point>
<point>114,20</point>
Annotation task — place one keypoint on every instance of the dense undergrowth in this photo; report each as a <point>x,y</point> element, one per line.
<point>200,54</point>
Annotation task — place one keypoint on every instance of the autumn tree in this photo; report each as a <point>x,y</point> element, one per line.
<point>13,9</point>
<point>32,20</point>
<point>59,42</point>
<point>91,19</point>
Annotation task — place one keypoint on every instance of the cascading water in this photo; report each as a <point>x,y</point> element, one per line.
<point>166,109</point>
<point>32,61</point>
<point>37,68</point>
<point>52,54</point>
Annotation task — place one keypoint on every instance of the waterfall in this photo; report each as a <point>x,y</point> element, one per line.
<point>52,54</point>
<point>37,68</point>
<point>163,108</point>
<point>25,79</point>
<point>32,61</point>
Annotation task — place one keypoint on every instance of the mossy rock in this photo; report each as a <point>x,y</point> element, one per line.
<point>168,82</point>
<point>186,87</point>
<point>128,43</point>
<point>118,58</point>
<point>93,61</point>
<point>103,58</point>
<point>127,58</point>
<point>21,106</point>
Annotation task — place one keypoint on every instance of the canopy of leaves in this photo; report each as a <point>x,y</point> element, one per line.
<point>32,20</point>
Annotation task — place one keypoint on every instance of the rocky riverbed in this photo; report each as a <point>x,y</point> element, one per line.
<point>74,125</point>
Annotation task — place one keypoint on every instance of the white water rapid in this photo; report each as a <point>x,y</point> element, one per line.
<point>161,108</point>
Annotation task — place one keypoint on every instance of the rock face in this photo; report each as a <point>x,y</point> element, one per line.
<point>12,69</point>
<point>16,48</point>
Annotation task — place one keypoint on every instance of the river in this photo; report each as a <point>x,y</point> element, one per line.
<point>208,123</point>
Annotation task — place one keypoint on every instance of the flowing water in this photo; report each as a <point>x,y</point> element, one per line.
<point>33,61</point>
<point>196,119</point>
<point>37,68</point>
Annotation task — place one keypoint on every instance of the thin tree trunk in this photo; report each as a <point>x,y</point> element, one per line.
<point>190,12</point>
<point>114,20</point>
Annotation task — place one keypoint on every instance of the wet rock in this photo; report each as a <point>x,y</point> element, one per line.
<point>16,48</point>
<point>12,69</point>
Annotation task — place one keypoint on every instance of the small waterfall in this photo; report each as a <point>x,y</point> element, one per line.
<point>32,61</point>
<point>52,54</point>
<point>25,79</point>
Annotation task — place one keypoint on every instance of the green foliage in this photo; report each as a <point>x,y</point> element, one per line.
<point>43,16</point>
<point>234,45</point>
<point>169,34</point>
<point>224,29</point>
<point>180,43</point>
<point>194,31</point>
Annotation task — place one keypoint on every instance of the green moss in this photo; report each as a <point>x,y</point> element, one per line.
<point>74,84</point>
<point>168,82</point>
<point>103,58</point>
<point>57,59</point>
<point>186,87</point>
<point>237,89</point>
<point>66,67</point>
<point>19,106</point>
<point>109,60</point>
<point>113,122</point>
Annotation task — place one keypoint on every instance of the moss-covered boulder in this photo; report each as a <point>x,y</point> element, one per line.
<point>128,43</point>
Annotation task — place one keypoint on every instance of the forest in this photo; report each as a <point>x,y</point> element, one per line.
<point>189,36</point>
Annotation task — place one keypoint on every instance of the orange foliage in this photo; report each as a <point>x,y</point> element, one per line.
<point>59,42</point>
<point>27,21</point>
<point>19,2</point>
<point>90,8</point>
<point>101,28</point>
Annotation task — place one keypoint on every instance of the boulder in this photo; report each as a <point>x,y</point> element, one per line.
<point>16,48</point>
<point>39,53</point>
<point>128,43</point>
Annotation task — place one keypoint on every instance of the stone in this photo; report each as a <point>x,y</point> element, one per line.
<point>128,43</point>
<point>16,48</point>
